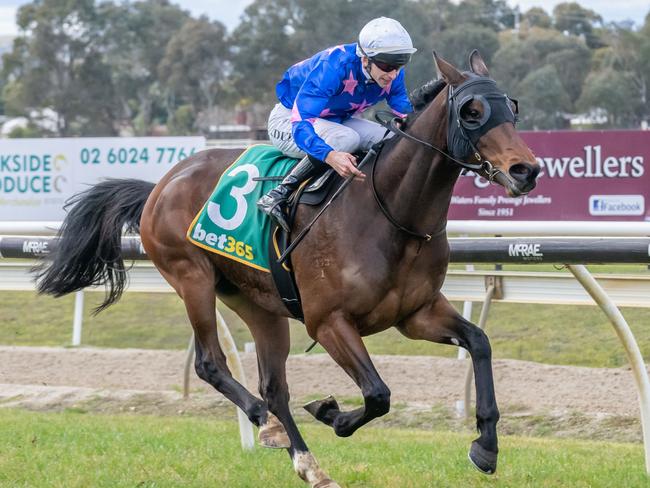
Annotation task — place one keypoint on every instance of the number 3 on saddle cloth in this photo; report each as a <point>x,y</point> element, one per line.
<point>230,224</point>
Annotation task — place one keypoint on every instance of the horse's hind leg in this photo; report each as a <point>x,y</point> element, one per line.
<point>196,288</point>
<point>272,342</point>
<point>343,343</point>
<point>441,323</point>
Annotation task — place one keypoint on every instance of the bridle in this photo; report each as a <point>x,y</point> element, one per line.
<point>484,166</point>
<point>475,88</point>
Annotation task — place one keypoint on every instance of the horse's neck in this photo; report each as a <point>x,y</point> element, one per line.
<point>415,181</point>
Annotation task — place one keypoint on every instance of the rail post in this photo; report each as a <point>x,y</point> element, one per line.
<point>629,344</point>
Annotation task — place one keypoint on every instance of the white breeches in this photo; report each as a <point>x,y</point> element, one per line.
<point>352,135</point>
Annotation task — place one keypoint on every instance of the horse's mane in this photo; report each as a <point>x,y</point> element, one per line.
<point>420,98</point>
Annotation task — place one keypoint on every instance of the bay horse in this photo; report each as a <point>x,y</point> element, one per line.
<point>358,272</point>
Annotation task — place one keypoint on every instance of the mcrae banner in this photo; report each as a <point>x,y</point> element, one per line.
<point>38,175</point>
<point>585,176</point>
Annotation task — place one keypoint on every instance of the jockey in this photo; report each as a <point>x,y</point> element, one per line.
<point>321,99</point>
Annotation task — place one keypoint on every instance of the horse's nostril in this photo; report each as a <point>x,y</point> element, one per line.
<point>524,172</point>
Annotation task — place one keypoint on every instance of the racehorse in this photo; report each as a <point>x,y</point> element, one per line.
<point>362,269</point>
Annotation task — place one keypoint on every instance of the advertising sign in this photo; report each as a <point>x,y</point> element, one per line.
<point>37,176</point>
<point>585,176</point>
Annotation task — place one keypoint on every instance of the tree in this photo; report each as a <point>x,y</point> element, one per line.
<point>56,63</point>
<point>520,56</point>
<point>195,65</point>
<point>537,17</point>
<point>611,90</point>
<point>495,15</point>
<point>273,35</point>
<point>628,52</point>
<point>572,18</point>
<point>545,99</point>
<point>456,44</point>
<point>135,42</point>
<point>182,121</point>
<point>572,65</point>
<point>263,47</point>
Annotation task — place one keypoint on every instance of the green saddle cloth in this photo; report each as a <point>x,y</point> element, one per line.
<point>230,223</point>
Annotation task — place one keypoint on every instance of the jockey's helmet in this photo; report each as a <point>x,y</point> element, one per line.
<point>385,41</point>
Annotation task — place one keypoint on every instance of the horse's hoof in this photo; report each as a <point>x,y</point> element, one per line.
<point>326,483</point>
<point>321,409</point>
<point>482,459</point>
<point>273,435</point>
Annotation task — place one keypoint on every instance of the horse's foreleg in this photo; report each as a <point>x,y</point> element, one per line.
<point>441,323</point>
<point>343,342</point>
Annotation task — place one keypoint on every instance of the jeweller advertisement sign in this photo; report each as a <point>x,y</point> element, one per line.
<point>585,176</point>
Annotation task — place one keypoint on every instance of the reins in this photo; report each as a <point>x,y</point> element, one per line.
<point>483,165</point>
<point>387,214</point>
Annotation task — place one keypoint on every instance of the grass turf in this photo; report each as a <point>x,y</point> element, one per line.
<point>79,450</point>
<point>572,335</point>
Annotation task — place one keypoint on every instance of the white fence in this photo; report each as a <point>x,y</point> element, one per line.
<point>465,227</point>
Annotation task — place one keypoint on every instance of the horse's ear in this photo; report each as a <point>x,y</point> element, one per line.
<point>477,65</point>
<point>447,71</point>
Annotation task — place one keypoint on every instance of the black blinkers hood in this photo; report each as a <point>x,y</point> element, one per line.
<point>463,135</point>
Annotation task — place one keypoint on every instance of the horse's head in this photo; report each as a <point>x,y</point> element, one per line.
<point>481,127</point>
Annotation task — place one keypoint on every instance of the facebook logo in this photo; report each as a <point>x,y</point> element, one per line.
<point>595,205</point>
<point>616,205</point>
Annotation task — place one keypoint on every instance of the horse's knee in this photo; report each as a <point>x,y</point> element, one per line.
<point>377,400</point>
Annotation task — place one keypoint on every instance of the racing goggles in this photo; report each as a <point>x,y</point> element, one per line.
<point>388,62</point>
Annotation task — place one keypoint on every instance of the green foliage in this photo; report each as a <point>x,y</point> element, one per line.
<point>194,66</point>
<point>181,123</point>
<point>613,91</point>
<point>545,96</point>
<point>572,18</point>
<point>57,64</point>
<point>495,15</point>
<point>545,70</point>
<point>135,42</point>
<point>554,335</point>
<point>110,67</point>
<point>264,48</point>
<point>24,132</point>
<point>79,449</point>
<point>537,17</point>
<point>455,45</point>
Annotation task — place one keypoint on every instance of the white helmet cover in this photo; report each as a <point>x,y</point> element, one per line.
<point>384,35</point>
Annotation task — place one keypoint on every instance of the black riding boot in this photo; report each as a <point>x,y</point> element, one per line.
<point>275,201</point>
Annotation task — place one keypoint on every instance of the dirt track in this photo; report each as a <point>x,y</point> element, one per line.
<point>38,377</point>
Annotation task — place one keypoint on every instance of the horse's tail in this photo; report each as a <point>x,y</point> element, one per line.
<point>89,250</point>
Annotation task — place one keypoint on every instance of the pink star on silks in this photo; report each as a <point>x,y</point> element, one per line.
<point>386,89</point>
<point>339,47</point>
<point>325,113</point>
<point>350,84</point>
<point>295,114</point>
<point>360,107</point>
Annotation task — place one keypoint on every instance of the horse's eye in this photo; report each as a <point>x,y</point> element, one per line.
<point>475,114</point>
